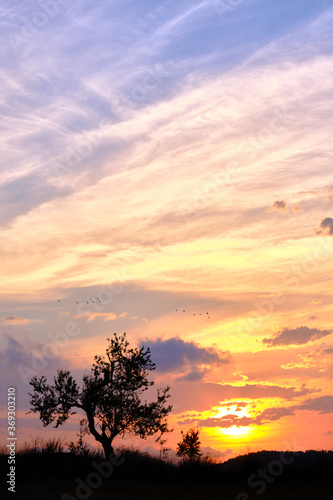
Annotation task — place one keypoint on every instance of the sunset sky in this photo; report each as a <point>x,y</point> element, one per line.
<point>164,156</point>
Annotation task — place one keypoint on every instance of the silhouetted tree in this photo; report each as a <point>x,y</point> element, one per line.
<point>109,396</point>
<point>189,447</point>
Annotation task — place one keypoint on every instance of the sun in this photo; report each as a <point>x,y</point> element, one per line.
<point>235,431</point>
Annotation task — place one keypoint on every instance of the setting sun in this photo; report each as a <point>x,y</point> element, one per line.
<point>236,431</point>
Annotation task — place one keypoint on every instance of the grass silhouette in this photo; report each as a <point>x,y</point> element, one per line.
<point>48,470</point>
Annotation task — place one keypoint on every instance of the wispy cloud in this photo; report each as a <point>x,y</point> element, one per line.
<point>319,358</point>
<point>105,315</point>
<point>208,394</point>
<point>321,405</point>
<point>12,320</point>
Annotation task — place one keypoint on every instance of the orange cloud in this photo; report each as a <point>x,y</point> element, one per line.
<point>296,208</point>
<point>91,316</point>
<point>13,320</point>
<point>321,405</point>
<point>319,358</point>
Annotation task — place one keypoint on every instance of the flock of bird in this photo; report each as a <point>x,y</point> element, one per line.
<point>177,310</point>
<point>194,314</point>
<point>89,300</point>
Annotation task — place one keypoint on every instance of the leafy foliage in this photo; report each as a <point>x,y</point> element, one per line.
<point>189,447</point>
<point>110,396</point>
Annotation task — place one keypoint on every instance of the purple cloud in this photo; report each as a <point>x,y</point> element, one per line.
<point>296,336</point>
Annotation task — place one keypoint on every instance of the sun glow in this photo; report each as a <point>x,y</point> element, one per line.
<point>232,410</point>
<point>235,431</point>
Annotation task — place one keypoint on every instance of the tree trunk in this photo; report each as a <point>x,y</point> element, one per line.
<point>108,448</point>
<point>101,438</point>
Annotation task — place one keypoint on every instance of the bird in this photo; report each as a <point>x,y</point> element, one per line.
<point>183,310</point>
<point>58,300</point>
<point>176,310</point>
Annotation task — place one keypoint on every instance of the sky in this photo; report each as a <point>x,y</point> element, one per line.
<point>174,159</point>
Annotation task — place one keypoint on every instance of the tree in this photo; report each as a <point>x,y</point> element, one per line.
<point>110,396</point>
<point>189,447</point>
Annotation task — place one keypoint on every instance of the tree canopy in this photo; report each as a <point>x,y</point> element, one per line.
<point>189,446</point>
<point>110,396</point>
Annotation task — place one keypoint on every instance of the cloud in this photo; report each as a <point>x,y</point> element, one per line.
<point>177,355</point>
<point>296,336</point>
<point>240,376</point>
<point>106,316</point>
<point>193,375</point>
<point>230,420</point>
<point>238,405</point>
<point>321,405</point>
<point>25,193</point>
<point>14,320</point>
<point>208,394</point>
<point>270,414</point>
<point>280,206</point>
<point>326,227</point>
<point>25,359</point>
<point>296,208</point>
<point>14,352</point>
<point>224,422</point>
<point>319,358</point>
<point>198,107</point>
<point>261,391</point>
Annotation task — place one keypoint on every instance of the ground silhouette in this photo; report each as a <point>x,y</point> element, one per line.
<point>48,470</point>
